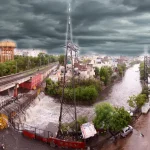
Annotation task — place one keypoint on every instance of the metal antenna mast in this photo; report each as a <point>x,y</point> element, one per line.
<point>68,112</point>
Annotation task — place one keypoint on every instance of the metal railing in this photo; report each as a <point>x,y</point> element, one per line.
<point>38,132</point>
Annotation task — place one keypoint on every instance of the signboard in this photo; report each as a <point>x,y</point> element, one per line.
<point>88,130</point>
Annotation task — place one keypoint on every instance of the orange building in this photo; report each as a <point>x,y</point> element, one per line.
<point>7,50</point>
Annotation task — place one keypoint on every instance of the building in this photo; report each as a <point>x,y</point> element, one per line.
<point>7,50</point>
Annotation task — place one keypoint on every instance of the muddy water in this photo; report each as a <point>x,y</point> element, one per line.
<point>123,89</point>
<point>47,111</point>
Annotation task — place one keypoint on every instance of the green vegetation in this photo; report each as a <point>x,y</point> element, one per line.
<point>105,74</point>
<point>22,63</point>
<point>104,113</point>
<point>96,72</point>
<point>121,69</point>
<point>145,90</point>
<point>61,59</point>
<point>120,119</point>
<point>86,90</point>
<point>81,120</point>
<point>142,70</point>
<point>137,101</point>
<point>111,118</point>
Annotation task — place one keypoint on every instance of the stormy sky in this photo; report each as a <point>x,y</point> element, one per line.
<point>113,27</point>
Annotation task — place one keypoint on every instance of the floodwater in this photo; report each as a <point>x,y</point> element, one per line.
<point>133,141</point>
<point>119,94</point>
<point>46,112</point>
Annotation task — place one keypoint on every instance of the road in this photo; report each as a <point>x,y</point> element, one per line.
<point>134,141</point>
<point>15,141</point>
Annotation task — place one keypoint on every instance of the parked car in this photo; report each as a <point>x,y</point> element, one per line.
<point>125,131</point>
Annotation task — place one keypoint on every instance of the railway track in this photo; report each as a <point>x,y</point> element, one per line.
<point>11,78</point>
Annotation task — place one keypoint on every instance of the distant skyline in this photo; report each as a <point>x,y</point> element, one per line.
<point>111,27</point>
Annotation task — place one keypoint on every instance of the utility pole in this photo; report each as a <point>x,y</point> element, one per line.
<point>146,75</point>
<point>67,111</point>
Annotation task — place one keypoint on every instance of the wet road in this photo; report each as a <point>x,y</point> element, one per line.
<point>134,141</point>
<point>123,89</point>
<point>15,141</point>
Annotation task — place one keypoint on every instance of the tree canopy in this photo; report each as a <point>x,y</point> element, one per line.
<point>61,59</point>
<point>121,68</point>
<point>105,74</point>
<point>86,91</point>
<point>120,119</point>
<point>96,71</point>
<point>109,117</point>
<point>137,101</point>
<point>104,113</point>
<point>22,63</point>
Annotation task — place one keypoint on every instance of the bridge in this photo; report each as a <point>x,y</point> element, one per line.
<point>14,80</point>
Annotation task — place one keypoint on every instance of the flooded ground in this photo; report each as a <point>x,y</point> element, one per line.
<point>46,112</point>
<point>122,90</point>
<point>134,141</point>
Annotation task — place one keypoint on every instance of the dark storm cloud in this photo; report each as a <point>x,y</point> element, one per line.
<point>110,26</point>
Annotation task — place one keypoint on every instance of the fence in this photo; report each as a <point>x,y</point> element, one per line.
<point>37,132</point>
<point>46,137</point>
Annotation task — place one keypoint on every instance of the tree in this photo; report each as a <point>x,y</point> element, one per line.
<point>137,101</point>
<point>24,63</point>
<point>105,74</point>
<point>121,68</point>
<point>51,87</point>
<point>145,90</point>
<point>104,113</point>
<point>111,118</point>
<point>131,101</point>
<point>61,59</point>
<point>96,71</point>
<point>142,70</point>
<point>120,119</point>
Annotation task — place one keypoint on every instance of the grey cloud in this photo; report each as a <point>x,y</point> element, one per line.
<point>111,26</point>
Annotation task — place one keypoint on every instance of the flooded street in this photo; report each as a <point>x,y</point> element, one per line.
<point>47,111</point>
<point>44,114</point>
<point>122,90</point>
<point>134,141</point>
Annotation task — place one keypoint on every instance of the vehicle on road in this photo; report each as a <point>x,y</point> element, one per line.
<point>125,131</point>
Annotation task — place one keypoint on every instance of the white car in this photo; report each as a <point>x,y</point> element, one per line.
<point>125,131</point>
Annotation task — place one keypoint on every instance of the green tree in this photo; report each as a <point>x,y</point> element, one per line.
<point>120,119</point>
<point>104,113</point>
<point>61,59</point>
<point>51,87</point>
<point>105,74</point>
<point>145,90</point>
<point>121,68</point>
<point>137,101</point>
<point>96,71</point>
<point>111,118</point>
<point>142,70</point>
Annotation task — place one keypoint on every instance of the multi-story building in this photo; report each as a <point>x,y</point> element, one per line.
<point>7,50</point>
